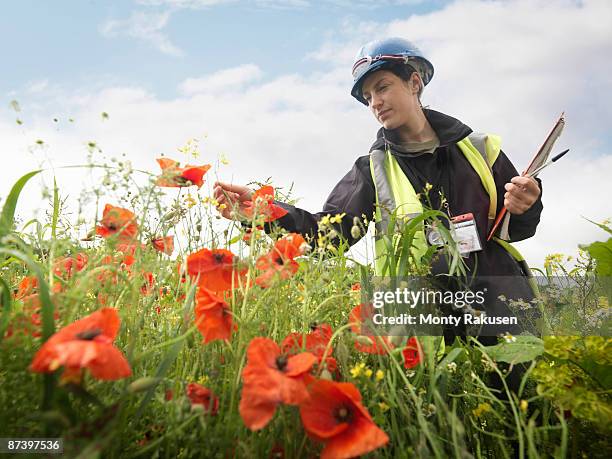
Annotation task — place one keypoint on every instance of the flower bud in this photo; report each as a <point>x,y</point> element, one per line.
<point>142,384</point>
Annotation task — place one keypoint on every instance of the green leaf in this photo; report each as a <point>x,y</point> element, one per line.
<point>8,211</point>
<point>56,206</point>
<point>6,304</point>
<point>601,252</point>
<point>603,226</point>
<point>524,349</point>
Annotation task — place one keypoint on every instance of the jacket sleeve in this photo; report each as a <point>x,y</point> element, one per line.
<point>521,226</point>
<point>354,196</point>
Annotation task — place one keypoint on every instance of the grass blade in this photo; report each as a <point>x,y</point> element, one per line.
<point>8,211</point>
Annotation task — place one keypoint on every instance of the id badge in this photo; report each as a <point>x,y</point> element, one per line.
<point>465,234</point>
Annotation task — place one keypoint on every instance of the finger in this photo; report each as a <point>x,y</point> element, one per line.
<point>231,187</point>
<point>516,195</point>
<point>515,190</point>
<point>529,183</point>
<point>515,208</point>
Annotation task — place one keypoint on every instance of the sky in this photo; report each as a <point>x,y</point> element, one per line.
<point>267,84</point>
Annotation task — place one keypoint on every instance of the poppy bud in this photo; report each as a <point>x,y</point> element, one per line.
<point>355,232</point>
<point>142,384</point>
<point>365,340</point>
<point>325,374</point>
<point>90,235</point>
<point>170,215</point>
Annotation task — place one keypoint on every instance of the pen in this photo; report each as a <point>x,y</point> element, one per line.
<point>555,158</point>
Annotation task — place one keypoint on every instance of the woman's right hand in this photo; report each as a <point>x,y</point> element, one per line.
<point>233,196</point>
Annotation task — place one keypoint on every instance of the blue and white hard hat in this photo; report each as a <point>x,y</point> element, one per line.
<point>376,54</point>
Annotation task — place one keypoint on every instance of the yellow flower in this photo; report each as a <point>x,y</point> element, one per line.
<point>481,409</point>
<point>337,218</point>
<point>553,258</point>
<point>357,369</point>
<point>380,375</point>
<point>368,373</point>
<point>602,302</point>
<point>189,201</point>
<point>523,405</point>
<point>383,406</point>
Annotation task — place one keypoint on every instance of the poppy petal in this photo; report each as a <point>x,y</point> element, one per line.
<point>363,436</point>
<point>299,364</point>
<point>256,412</point>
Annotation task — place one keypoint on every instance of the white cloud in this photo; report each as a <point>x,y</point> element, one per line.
<point>37,86</point>
<point>222,80</point>
<point>508,68</point>
<point>147,27</point>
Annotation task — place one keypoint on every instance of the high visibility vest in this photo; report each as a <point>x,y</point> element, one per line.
<point>394,192</point>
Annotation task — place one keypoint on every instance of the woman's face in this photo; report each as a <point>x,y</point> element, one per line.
<point>392,100</point>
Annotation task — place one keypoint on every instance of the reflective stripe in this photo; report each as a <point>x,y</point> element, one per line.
<point>392,187</point>
<point>478,139</point>
<point>521,261</point>
<point>384,195</point>
<point>479,161</point>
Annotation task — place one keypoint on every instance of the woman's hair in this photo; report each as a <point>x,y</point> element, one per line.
<point>404,72</point>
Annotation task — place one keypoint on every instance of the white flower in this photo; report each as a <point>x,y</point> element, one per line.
<point>509,338</point>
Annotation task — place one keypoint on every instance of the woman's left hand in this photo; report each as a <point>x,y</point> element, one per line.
<point>521,194</point>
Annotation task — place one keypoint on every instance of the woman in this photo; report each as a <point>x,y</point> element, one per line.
<point>422,151</point>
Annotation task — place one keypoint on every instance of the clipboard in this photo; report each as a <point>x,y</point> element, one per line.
<point>539,159</point>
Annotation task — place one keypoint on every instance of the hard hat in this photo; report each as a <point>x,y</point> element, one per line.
<point>376,54</point>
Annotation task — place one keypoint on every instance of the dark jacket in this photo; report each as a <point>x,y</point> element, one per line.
<point>447,167</point>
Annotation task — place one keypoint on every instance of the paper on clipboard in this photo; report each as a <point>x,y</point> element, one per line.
<point>540,158</point>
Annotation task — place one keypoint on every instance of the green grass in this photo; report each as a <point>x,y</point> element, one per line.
<point>445,407</point>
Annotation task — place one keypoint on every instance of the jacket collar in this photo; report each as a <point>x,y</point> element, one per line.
<point>448,129</point>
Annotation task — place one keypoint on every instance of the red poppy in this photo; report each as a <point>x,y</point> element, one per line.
<point>334,415</point>
<point>215,267</point>
<point>213,316</point>
<point>280,261</point>
<point>262,205</point>
<point>86,343</point>
<point>370,344</point>
<point>273,265</point>
<point>149,283</point>
<point>64,266</point>
<point>30,323</point>
<point>314,342</point>
<point>164,244</point>
<point>200,395</point>
<point>116,220</point>
<point>175,176</point>
<point>413,353</point>
<point>27,286</point>
<point>271,378</point>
